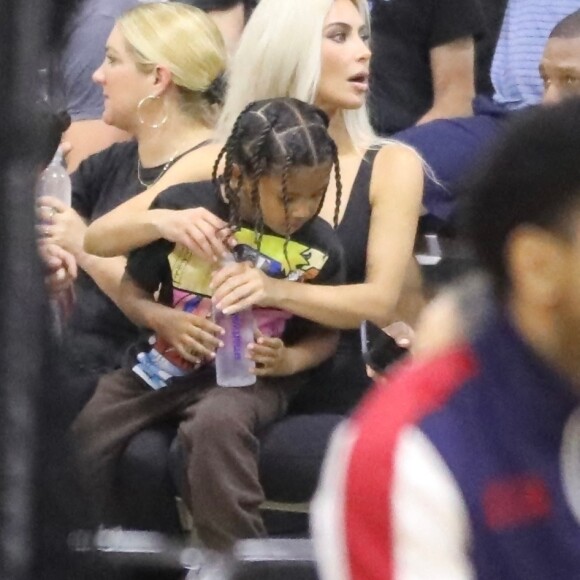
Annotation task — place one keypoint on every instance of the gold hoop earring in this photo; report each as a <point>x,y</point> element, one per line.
<point>139,112</point>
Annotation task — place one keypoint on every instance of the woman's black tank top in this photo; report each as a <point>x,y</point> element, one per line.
<point>353,229</point>
<point>339,383</point>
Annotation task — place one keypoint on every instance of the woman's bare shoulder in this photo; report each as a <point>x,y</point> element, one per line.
<point>398,172</point>
<point>396,154</point>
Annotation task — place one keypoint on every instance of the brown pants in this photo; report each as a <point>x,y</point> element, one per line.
<point>217,427</point>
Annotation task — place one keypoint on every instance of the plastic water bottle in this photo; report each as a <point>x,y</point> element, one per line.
<point>233,368</point>
<point>55,181</point>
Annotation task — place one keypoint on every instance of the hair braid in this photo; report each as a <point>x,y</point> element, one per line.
<point>230,150</point>
<point>233,201</point>
<point>214,176</point>
<point>338,180</point>
<point>257,163</point>
<point>286,202</point>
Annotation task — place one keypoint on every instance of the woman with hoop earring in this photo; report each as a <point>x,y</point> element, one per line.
<point>162,81</point>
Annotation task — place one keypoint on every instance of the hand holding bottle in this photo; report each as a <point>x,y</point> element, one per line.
<point>61,268</point>
<point>194,338</point>
<point>269,356</point>
<point>61,225</point>
<point>241,285</point>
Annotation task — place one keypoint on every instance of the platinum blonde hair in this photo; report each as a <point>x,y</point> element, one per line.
<point>279,55</point>
<point>184,40</point>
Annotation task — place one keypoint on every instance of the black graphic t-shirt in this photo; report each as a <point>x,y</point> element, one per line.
<point>313,255</point>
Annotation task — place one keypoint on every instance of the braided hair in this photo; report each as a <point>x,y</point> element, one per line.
<point>271,137</point>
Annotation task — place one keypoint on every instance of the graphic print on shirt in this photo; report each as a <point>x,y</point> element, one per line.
<point>191,277</point>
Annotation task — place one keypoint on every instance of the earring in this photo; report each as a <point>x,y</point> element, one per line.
<point>139,112</point>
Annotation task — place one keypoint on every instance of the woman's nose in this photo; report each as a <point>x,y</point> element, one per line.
<point>364,51</point>
<point>98,76</point>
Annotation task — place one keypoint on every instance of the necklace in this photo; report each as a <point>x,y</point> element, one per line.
<point>171,161</point>
<point>148,184</point>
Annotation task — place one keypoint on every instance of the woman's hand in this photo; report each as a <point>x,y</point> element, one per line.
<point>193,337</point>
<point>270,356</point>
<point>61,266</point>
<point>239,285</point>
<point>62,225</point>
<point>198,229</point>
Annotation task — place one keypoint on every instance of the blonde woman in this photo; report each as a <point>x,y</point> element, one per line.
<point>162,83</point>
<point>317,51</point>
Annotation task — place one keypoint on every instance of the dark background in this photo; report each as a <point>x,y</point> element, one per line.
<point>40,501</point>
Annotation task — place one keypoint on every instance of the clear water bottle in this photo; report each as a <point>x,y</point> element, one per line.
<point>233,368</point>
<point>55,180</point>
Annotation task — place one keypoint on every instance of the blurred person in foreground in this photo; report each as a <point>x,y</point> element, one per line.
<point>462,464</point>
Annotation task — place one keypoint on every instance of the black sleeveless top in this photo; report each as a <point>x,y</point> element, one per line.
<point>339,383</point>
<point>353,230</point>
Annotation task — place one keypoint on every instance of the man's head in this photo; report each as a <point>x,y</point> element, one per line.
<point>229,15</point>
<point>560,64</point>
<point>524,222</point>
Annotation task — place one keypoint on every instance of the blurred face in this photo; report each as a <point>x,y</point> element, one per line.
<point>345,59</point>
<point>569,306</point>
<point>560,69</point>
<point>231,25</point>
<point>305,189</point>
<point>544,269</point>
<point>122,83</point>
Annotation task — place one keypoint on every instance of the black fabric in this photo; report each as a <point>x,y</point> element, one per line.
<point>485,46</point>
<point>339,383</point>
<point>41,503</point>
<point>148,266</point>
<point>353,229</point>
<point>97,333</point>
<point>291,455</point>
<point>403,33</point>
<point>145,486</point>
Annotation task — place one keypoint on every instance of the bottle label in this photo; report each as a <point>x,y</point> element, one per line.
<point>237,336</point>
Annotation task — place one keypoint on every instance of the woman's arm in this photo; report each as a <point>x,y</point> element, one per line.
<point>131,225</point>
<point>395,194</point>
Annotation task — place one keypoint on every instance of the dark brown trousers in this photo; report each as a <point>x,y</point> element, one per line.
<point>217,427</point>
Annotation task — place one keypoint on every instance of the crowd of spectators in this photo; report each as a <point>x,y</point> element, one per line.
<point>456,463</point>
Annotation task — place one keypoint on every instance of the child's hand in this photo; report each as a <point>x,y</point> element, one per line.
<point>197,229</point>
<point>194,337</point>
<point>240,285</point>
<point>270,356</point>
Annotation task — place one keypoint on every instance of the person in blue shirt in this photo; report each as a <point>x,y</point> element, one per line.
<point>451,147</point>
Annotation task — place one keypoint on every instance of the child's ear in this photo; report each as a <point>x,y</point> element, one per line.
<point>236,179</point>
<point>236,172</point>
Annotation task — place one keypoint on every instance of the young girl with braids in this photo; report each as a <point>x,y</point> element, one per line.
<point>278,162</point>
